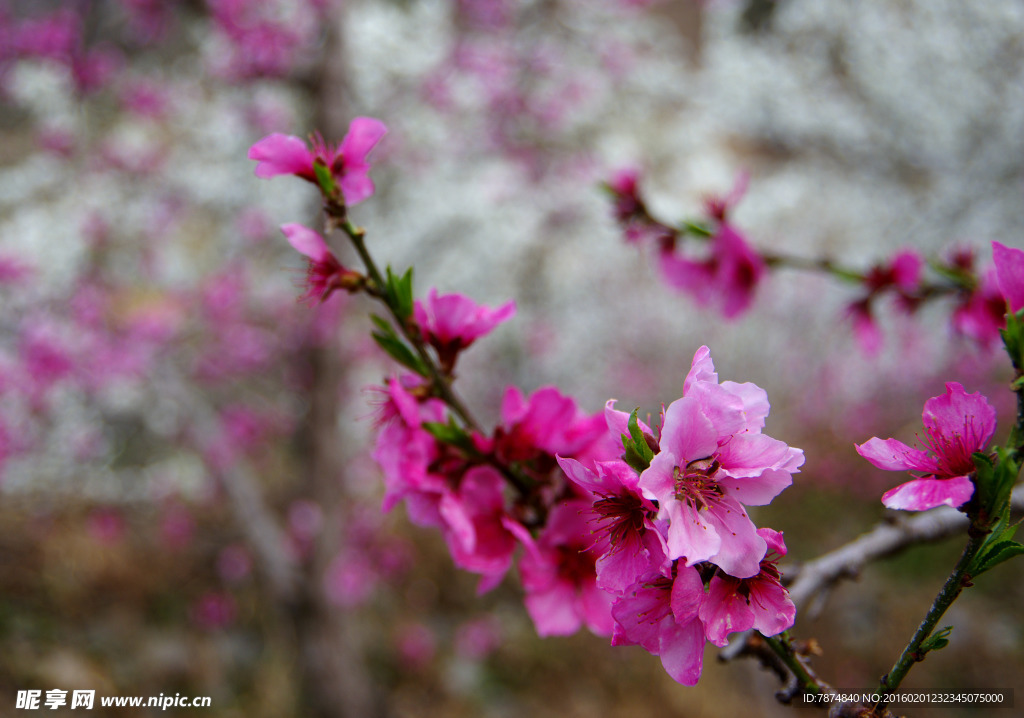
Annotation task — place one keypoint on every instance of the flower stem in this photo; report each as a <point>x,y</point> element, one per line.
<point>441,384</point>
<point>806,681</point>
<point>957,581</point>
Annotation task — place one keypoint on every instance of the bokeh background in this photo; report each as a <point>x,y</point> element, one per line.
<point>187,504</point>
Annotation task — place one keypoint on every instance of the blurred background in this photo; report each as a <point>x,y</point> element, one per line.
<point>187,504</point>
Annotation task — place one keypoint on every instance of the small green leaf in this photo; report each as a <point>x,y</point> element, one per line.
<point>450,433</point>
<point>1002,551</point>
<point>939,639</point>
<point>389,341</point>
<point>697,228</point>
<point>324,178</point>
<point>637,452</point>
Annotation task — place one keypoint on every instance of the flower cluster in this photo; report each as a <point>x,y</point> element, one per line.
<point>645,539</point>
<point>678,550</point>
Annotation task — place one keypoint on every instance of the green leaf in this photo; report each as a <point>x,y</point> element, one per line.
<point>398,293</point>
<point>638,453</point>
<point>451,433</point>
<point>324,178</point>
<point>939,639</point>
<point>1002,551</point>
<point>389,341</point>
<point>697,228</point>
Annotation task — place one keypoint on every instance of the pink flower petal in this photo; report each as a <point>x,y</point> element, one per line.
<point>1010,274</point>
<point>894,455</point>
<point>279,154</point>
<point>363,135</point>
<point>924,494</point>
<point>306,241</point>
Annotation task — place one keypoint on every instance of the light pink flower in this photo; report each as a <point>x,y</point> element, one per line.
<point>324,273</point>
<point>559,578</point>
<point>1010,274</point>
<point>451,322</point>
<point>759,602</point>
<point>662,615</point>
<point>279,154</point>
<point>623,519</point>
<point>713,461</point>
<point>957,424</point>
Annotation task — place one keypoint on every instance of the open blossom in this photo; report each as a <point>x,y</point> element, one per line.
<point>622,518</point>
<point>451,322</point>
<point>1010,274</point>
<point>476,526</point>
<point>759,602</point>
<point>662,614</point>
<point>713,461</point>
<point>279,154</point>
<point>957,425</point>
<point>982,311</point>
<point>559,578</point>
<point>324,273</point>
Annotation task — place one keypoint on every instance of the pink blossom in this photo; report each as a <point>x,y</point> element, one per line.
<point>452,322</point>
<point>324,273</point>
<point>1010,274</point>
<point>549,423</point>
<point>982,311</point>
<point>662,615</point>
<point>559,578</point>
<point>728,277</point>
<point>478,638</point>
<point>622,518</point>
<point>404,450</point>
<point>759,602</point>
<point>957,424</point>
<point>476,527</point>
<point>712,461</point>
<point>279,154</point>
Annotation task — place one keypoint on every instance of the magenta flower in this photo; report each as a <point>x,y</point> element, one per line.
<point>559,578</point>
<point>662,615</point>
<point>982,312</point>
<point>476,527</point>
<point>405,450</point>
<point>279,154</point>
<point>958,424</point>
<point>713,460</point>
<point>622,519</point>
<point>1010,274</point>
<point>728,277</point>
<point>548,423</point>
<point>452,322</point>
<point>759,602</point>
<point>324,273</point>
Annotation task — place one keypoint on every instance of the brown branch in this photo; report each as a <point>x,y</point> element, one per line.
<point>819,575</point>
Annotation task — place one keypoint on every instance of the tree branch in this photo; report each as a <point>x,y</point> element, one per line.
<point>818,575</point>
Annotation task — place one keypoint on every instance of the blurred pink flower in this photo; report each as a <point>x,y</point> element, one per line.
<point>451,322</point>
<point>1010,274</point>
<point>279,154</point>
<point>214,610</point>
<point>728,277</point>
<point>958,424</point>
<point>324,273</point>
